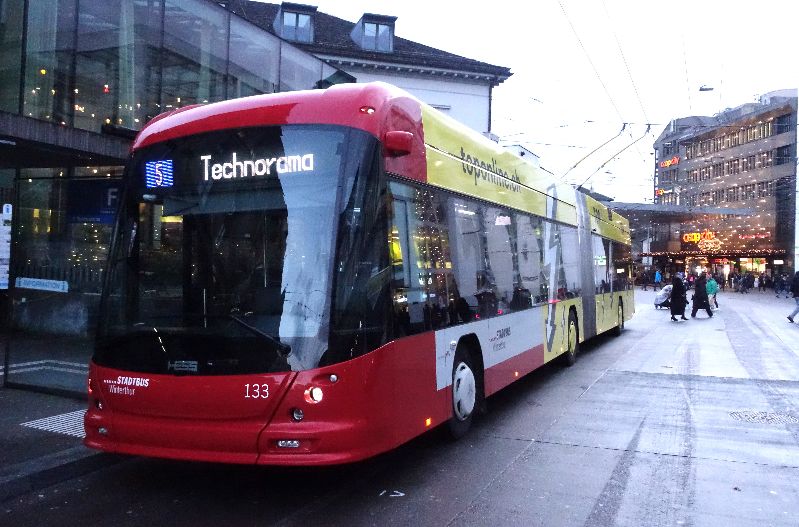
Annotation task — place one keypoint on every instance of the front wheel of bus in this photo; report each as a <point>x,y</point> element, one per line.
<point>573,341</point>
<point>464,394</point>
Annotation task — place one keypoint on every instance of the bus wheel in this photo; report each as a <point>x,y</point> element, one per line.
<point>573,340</point>
<point>464,394</point>
<point>620,322</point>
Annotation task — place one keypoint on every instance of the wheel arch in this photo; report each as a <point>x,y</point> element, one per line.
<point>471,344</point>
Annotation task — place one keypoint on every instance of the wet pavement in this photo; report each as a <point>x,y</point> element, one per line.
<point>672,423</point>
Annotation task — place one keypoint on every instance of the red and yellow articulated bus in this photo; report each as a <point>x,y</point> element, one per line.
<point>316,277</point>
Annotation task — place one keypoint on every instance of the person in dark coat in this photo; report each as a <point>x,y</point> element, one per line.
<point>678,299</point>
<point>700,298</point>
<point>795,291</point>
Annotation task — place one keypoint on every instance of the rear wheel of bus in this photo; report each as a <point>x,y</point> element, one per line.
<point>573,341</point>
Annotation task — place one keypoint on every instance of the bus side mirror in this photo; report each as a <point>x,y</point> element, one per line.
<point>398,143</point>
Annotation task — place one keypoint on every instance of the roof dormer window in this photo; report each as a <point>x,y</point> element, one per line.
<point>295,22</point>
<point>376,37</point>
<point>375,33</point>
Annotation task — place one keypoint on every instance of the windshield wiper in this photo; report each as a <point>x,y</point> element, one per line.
<point>282,349</point>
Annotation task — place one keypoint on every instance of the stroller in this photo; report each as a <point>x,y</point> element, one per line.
<point>663,298</point>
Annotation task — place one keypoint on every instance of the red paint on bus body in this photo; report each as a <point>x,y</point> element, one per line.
<point>503,374</point>
<point>378,402</point>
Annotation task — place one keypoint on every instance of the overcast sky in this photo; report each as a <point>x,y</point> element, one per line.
<point>582,68</point>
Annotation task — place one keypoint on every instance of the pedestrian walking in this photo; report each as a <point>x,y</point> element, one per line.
<point>781,285</point>
<point>700,298</point>
<point>712,289</point>
<point>795,291</point>
<point>658,279</point>
<point>678,299</point>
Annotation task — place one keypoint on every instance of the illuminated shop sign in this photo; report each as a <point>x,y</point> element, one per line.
<point>257,167</point>
<point>158,173</point>
<point>755,236</point>
<point>668,162</point>
<point>695,237</point>
<point>661,191</point>
<point>709,245</point>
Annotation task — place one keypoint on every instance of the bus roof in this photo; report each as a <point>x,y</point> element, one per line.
<point>445,153</point>
<point>361,106</point>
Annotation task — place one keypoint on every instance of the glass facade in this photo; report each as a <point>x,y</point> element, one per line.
<point>11,22</point>
<point>122,62</point>
<point>87,65</point>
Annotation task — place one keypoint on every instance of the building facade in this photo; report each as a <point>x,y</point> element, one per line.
<point>78,79</point>
<point>743,162</point>
<point>370,50</point>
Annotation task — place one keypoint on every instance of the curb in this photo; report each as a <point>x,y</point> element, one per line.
<point>37,474</point>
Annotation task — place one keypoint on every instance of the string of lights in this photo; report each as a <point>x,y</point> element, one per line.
<point>742,253</point>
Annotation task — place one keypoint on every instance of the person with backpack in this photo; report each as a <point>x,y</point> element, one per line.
<point>712,288</point>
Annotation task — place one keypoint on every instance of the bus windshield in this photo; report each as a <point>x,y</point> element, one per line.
<point>225,255</point>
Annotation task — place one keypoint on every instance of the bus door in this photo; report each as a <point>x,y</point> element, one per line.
<point>605,312</point>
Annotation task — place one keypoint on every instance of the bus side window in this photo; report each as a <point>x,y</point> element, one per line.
<point>622,267</point>
<point>422,284</point>
<point>601,250</point>
<point>530,258</point>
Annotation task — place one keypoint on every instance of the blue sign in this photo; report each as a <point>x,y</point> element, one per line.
<point>158,174</point>
<point>93,201</point>
<point>58,286</point>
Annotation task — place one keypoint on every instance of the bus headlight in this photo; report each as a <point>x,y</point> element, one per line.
<point>314,395</point>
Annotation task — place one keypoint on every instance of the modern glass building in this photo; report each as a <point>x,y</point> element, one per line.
<point>743,159</point>
<point>77,79</point>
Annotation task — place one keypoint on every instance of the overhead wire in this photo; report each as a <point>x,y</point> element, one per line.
<point>629,73</point>
<point>624,126</point>
<point>610,97</point>
<point>624,59</point>
<point>613,157</point>
<point>591,62</point>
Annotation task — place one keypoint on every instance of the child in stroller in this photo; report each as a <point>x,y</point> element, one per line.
<point>662,298</point>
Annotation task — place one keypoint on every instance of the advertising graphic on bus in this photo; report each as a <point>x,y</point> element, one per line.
<point>312,278</point>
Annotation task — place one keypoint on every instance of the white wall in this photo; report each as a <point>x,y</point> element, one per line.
<point>468,102</point>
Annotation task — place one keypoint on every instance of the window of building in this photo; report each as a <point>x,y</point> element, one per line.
<point>783,155</point>
<point>377,37</point>
<point>297,27</point>
<point>782,124</point>
<point>733,194</point>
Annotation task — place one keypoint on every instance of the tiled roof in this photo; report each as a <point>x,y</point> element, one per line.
<point>332,39</point>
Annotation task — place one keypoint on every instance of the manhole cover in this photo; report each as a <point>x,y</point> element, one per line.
<point>752,416</point>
